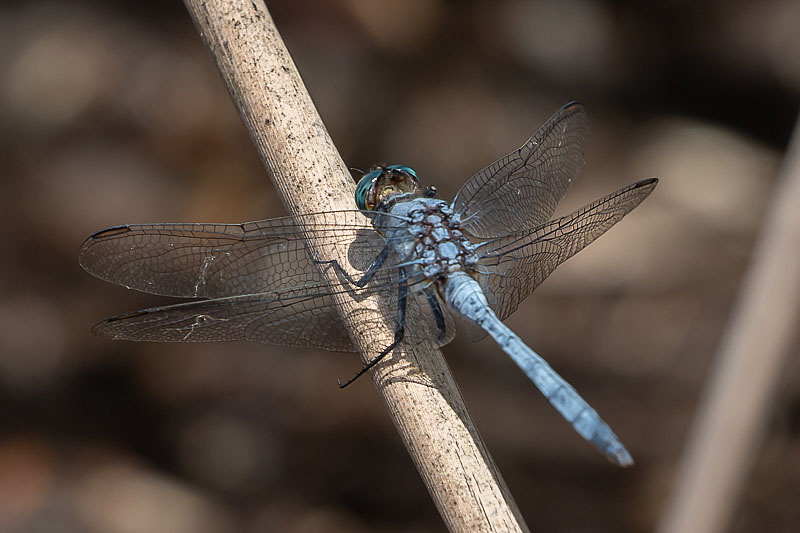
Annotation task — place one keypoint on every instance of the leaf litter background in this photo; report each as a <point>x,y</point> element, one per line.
<point>112,112</point>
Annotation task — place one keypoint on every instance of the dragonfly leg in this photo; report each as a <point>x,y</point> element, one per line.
<point>433,301</point>
<point>399,332</point>
<point>368,273</point>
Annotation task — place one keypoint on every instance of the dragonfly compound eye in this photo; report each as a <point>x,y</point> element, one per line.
<point>365,190</point>
<point>382,183</point>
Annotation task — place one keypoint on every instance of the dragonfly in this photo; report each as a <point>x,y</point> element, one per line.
<point>429,262</point>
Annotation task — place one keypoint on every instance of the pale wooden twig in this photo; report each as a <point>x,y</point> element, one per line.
<point>728,428</point>
<point>419,391</point>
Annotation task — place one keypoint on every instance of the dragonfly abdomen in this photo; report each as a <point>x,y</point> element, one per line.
<point>465,296</point>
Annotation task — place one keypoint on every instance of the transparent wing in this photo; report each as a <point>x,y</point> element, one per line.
<point>514,265</point>
<point>293,318</point>
<point>219,260</point>
<point>263,283</point>
<point>302,317</point>
<point>521,191</point>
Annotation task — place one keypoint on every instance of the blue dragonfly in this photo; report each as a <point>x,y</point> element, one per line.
<point>430,263</point>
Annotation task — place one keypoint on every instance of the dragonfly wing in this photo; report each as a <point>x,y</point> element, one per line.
<point>220,260</point>
<point>299,319</point>
<point>514,265</point>
<point>260,280</point>
<point>521,190</point>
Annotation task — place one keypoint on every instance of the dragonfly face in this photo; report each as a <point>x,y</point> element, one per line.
<point>378,185</point>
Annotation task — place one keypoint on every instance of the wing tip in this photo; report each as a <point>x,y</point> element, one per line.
<point>108,329</point>
<point>647,181</point>
<point>572,108</point>
<point>645,186</point>
<point>113,231</point>
<point>101,330</point>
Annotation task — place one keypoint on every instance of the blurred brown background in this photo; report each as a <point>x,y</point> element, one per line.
<point>112,112</point>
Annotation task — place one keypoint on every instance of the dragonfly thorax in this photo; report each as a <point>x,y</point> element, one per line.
<point>430,238</point>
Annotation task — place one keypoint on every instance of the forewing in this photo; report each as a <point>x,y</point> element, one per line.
<point>514,265</point>
<point>521,191</point>
<point>220,260</point>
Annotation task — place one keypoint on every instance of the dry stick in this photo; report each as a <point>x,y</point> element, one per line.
<point>728,429</point>
<point>416,385</point>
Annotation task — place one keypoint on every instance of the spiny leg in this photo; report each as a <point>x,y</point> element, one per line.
<point>436,309</point>
<point>399,332</point>
<point>368,273</point>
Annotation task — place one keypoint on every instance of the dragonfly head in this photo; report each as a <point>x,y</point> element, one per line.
<point>378,185</point>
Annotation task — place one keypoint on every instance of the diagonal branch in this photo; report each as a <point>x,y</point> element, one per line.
<point>419,392</point>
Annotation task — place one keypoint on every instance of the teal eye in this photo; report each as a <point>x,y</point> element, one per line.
<point>402,168</point>
<point>378,185</point>
<point>363,187</point>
